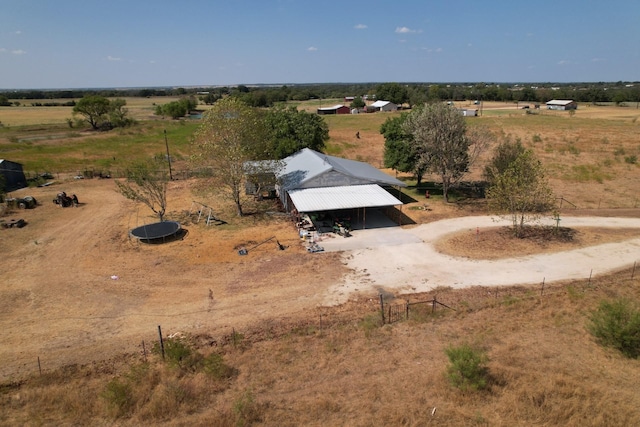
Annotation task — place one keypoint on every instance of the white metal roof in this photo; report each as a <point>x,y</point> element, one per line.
<point>560,102</point>
<point>380,104</point>
<point>335,107</point>
<point>346,197</point>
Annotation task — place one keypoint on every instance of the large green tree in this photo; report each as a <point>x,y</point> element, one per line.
<point>399,151</point>
<point>392,92</point>
<point>102,113</point>
<point>442,143</point>
<point>231,134</point>
<point>290,130</point>
<point>521,192</point>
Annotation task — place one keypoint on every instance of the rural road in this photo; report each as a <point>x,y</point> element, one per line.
<point>405,260</point>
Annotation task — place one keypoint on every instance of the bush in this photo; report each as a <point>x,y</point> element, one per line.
<point>119,397</point>
<point>467,368</point>
<point>616,324</point>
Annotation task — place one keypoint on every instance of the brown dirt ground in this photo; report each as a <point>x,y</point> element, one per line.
<point>77,289</point>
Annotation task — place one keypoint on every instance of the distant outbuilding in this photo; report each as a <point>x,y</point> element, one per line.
<point>382,106</point>
<point>13,174</point>
<point>562,104</point>
<point>336,109</point>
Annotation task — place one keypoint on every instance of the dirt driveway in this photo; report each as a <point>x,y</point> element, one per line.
<point>404,260</point>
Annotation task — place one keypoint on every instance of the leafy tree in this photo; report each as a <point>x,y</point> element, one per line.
<point>94,108</point>
<point>146,182</point>
<point>102,113</point>
<point>177,109</point>
<point>118,113</point>
<point>357,102</point>
<point>290,130</point>
<point>399,152</point>
<point>617,324</point>
<point>4,101</point>
<point>392,92</point>
<point>442,143</point>
<point>506,153</point>
<point>521,192</point>
<point>231,134</point>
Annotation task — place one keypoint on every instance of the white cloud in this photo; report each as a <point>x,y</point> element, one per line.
<point>406,30</point>
<point>312,49</point>
<point>19,52</point>
<point>152,62</point>
<point>360,27</point>
<point>598,60</point>
<point>18,32</point>
<point>113,58</point>
<point>2,49</point>
<point>564,62</point>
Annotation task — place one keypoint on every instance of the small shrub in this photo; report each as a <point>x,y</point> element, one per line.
<point>536,138</point>
<point>176,351</point>
<point>616,324</point>
<point>214,366</point>
<point>119,397</point>
<point>467,368</point>
<point>632,160</point>
<point>619,151</point>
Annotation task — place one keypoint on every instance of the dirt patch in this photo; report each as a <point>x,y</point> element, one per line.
<point>500,242</point>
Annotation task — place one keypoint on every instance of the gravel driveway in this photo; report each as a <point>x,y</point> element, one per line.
<point>404,259</point>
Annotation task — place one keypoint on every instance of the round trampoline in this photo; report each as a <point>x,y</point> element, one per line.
<point>157,232</point>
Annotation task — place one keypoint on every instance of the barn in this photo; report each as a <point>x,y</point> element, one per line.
<point>562,104</point>
<point>313,182</point>
<point>382,106</point>
<point>13,176</point>
<point>336,109</point>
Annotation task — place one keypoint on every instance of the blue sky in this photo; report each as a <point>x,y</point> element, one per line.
<point>143,43</point>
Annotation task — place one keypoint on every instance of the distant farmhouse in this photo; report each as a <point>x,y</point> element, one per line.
<point>336,109</point>
<point>382,106</point>
<point>562,104</point>
<point>13,175</point>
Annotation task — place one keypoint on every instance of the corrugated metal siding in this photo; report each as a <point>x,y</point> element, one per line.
<point>346,197</point>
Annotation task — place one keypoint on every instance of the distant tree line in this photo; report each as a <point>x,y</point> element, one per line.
<point>400,93</point>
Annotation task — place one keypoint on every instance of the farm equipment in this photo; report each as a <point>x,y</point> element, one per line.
<point>65,201</point>
<point>26,202</point>
<point>245,251</point>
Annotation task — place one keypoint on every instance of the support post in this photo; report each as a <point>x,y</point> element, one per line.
<point>161,341</point>
<point>166,143</point>
<point>382,308</point>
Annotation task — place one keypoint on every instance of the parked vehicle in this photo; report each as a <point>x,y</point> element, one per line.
<point>27,202</point>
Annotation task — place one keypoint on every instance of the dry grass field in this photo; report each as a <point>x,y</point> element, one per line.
<point>78,299</point>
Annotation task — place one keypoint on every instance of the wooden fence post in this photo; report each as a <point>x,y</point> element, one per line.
<point>542,290</point>
<point>39,366</point>
<point>382,308</point>
<point>633,272</point>
<point>161,341</point>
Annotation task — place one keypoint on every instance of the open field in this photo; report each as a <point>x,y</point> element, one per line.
<point>76,292</point>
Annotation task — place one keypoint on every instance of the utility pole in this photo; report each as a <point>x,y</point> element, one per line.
<point>166,143</point>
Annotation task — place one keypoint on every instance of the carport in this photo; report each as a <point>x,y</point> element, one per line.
<point>354,198</point>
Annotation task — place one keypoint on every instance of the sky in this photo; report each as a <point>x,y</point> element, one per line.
<point>56,44</point>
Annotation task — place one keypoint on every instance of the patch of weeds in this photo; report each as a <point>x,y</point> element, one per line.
<point>467,368</point>
<point>246,410</point>
<point>619,151</point>
<point>616,324</point>
<point>607,163</point>
<point>574,294</point>
<point>604,140</point>
<point>585,173</point>
<point>119,397</point>
<point>633,159</point>
<point>369,324</point>
<point>574,150</point>
<point>536,138</point>
<point>214,366</point>
<point>510,300</point>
